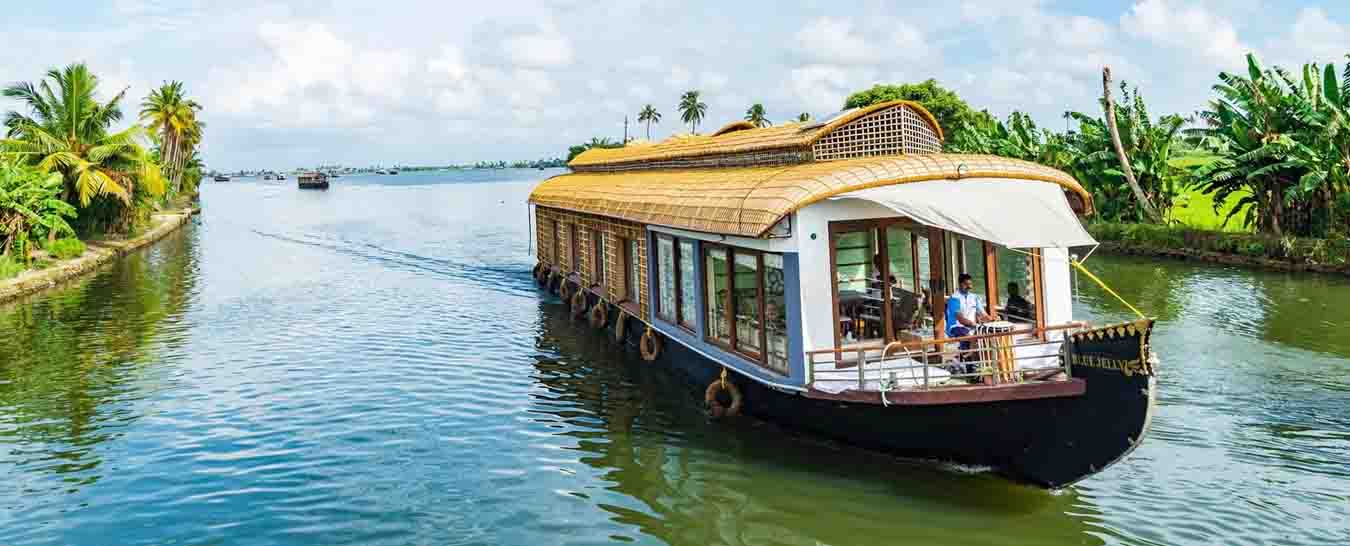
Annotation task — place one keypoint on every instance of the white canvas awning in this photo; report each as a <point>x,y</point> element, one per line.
<point>1012,213</point>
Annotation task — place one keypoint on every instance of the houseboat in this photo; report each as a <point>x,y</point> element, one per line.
<point>312,181</point>
<point>802,274</point>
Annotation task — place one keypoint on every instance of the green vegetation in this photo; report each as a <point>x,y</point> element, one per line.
<point>755,114</point>
<point>692,110</point>
<point>952,113</point>
<point>9,268</point>
<point>30,207</point>
<point>64,172</point>
<point>1333,252</point>
<point>66,249</point>
<point>648,115</point>
<point>596,142</point>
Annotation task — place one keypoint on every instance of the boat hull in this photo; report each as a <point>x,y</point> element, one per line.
<point>1047,442</point>
<point>313,185</point>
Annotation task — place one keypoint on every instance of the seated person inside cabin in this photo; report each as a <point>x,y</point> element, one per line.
<point>964,313</point>
<point>1018,308</point>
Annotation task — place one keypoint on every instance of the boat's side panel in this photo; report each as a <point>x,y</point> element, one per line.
<point>1051,442</point>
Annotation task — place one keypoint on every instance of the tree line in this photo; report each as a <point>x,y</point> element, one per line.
<point>65,173</point>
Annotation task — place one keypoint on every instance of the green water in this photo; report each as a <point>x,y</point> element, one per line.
<point>372,365</point>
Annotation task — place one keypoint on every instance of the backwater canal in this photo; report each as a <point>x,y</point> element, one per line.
<point>373,365</point>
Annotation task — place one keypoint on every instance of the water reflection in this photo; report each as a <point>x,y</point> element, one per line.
<point>688,481</point>
<point>69,377</point>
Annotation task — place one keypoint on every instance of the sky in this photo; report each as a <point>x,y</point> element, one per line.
<point>360,82</point>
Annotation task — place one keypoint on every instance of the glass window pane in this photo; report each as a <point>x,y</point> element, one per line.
<point>688,298</point>
<point>775,318</point>
<point>1017,290</point>
<point>900,257</point>
<point>598,249</point>
<point>717,284</point>
<point>924,324</point>
<point>746,286</point>
<point>907,301</point>
<point>859,285</point>
<point>634,271</point>
<point>665,275</point>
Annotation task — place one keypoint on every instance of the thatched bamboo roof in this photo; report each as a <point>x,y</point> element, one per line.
<point>737,138</point>
<point>748,201</point>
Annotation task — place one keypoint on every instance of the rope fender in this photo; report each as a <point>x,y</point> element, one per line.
<point>714,406</point>
<point>650,345</point>
<point>578,302</point>
<point>600,315</point>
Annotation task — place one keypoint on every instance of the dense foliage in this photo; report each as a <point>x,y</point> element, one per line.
<point>596,142</point>
<point>952,113</point>
<point>692,109</point>
<point>65,171</point>
<point>30,207</point>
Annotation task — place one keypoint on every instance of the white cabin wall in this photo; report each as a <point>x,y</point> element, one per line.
<point>1057,282</point>
<point>814,255</point>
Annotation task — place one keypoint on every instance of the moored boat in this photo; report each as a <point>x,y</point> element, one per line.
<point>312,181</point>
<point>803,274</point>
<point>221,178</point>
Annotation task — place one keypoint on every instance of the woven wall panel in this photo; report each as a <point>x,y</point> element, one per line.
<point>614,229</point>
<point>892,131</point>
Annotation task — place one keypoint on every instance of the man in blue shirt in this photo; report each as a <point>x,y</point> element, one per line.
<point>964,309</point>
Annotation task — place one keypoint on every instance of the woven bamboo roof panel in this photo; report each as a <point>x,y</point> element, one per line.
<point>735,138</point>
<point>748,201</point>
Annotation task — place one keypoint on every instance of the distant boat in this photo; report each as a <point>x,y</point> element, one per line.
<point>268,177</point>
<point>381,171</point>
<point>221,178</point>
<point>312,181</point>
<point>281,176</point>
<point>392,171</point>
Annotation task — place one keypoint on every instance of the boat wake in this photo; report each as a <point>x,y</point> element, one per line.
<point>513,280</point>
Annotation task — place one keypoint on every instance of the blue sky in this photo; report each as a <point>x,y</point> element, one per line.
<point>288,84</point>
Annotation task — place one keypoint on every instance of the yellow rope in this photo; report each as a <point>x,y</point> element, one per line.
<point>1079,265</point>
<point>1108,289</point>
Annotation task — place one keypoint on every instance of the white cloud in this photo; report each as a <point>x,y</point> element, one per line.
<point>1313,37</point>
<point>841,41</point>
<point>679,76</point>
<point>544,49</point>
<point>1209,38</point>
<point>823,87</point>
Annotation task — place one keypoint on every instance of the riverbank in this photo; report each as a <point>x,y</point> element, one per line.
<point>95,255</point>
<point>1243,249</point>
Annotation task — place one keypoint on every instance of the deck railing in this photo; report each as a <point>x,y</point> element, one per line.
<point>996,358</point>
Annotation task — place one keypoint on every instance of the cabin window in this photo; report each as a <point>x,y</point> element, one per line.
<point>626,271</point>
<point>557,240</point>
<point>717,282</point>
<point>749,314</point>
<point>598,258</point>
<point>688,295</point>
<point>574,249</point>
<point>665,279</point>
<point>859,270</point>
<point>775,318</point>
<point>634,271</point>
<point>1018,295</point>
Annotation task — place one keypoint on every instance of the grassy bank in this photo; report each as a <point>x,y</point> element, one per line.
<point>1290,253</point>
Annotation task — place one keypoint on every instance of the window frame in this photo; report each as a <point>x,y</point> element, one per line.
<point>657,294</point>
<point>629,283</point>
<point>733,346</point>
<point>598,258</point>
<point>687,323</point>
<point>574,248</point>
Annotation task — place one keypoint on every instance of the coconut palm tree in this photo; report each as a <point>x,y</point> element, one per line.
<point>649,115</point>
<point>66,130</point>
<point>692,109</point>
<point>173,117</point>
<point>755,115</point>
<point>804,117</point>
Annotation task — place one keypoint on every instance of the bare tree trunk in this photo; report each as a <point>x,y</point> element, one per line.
<point>1276,209</point>
<point>1120,148</point>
